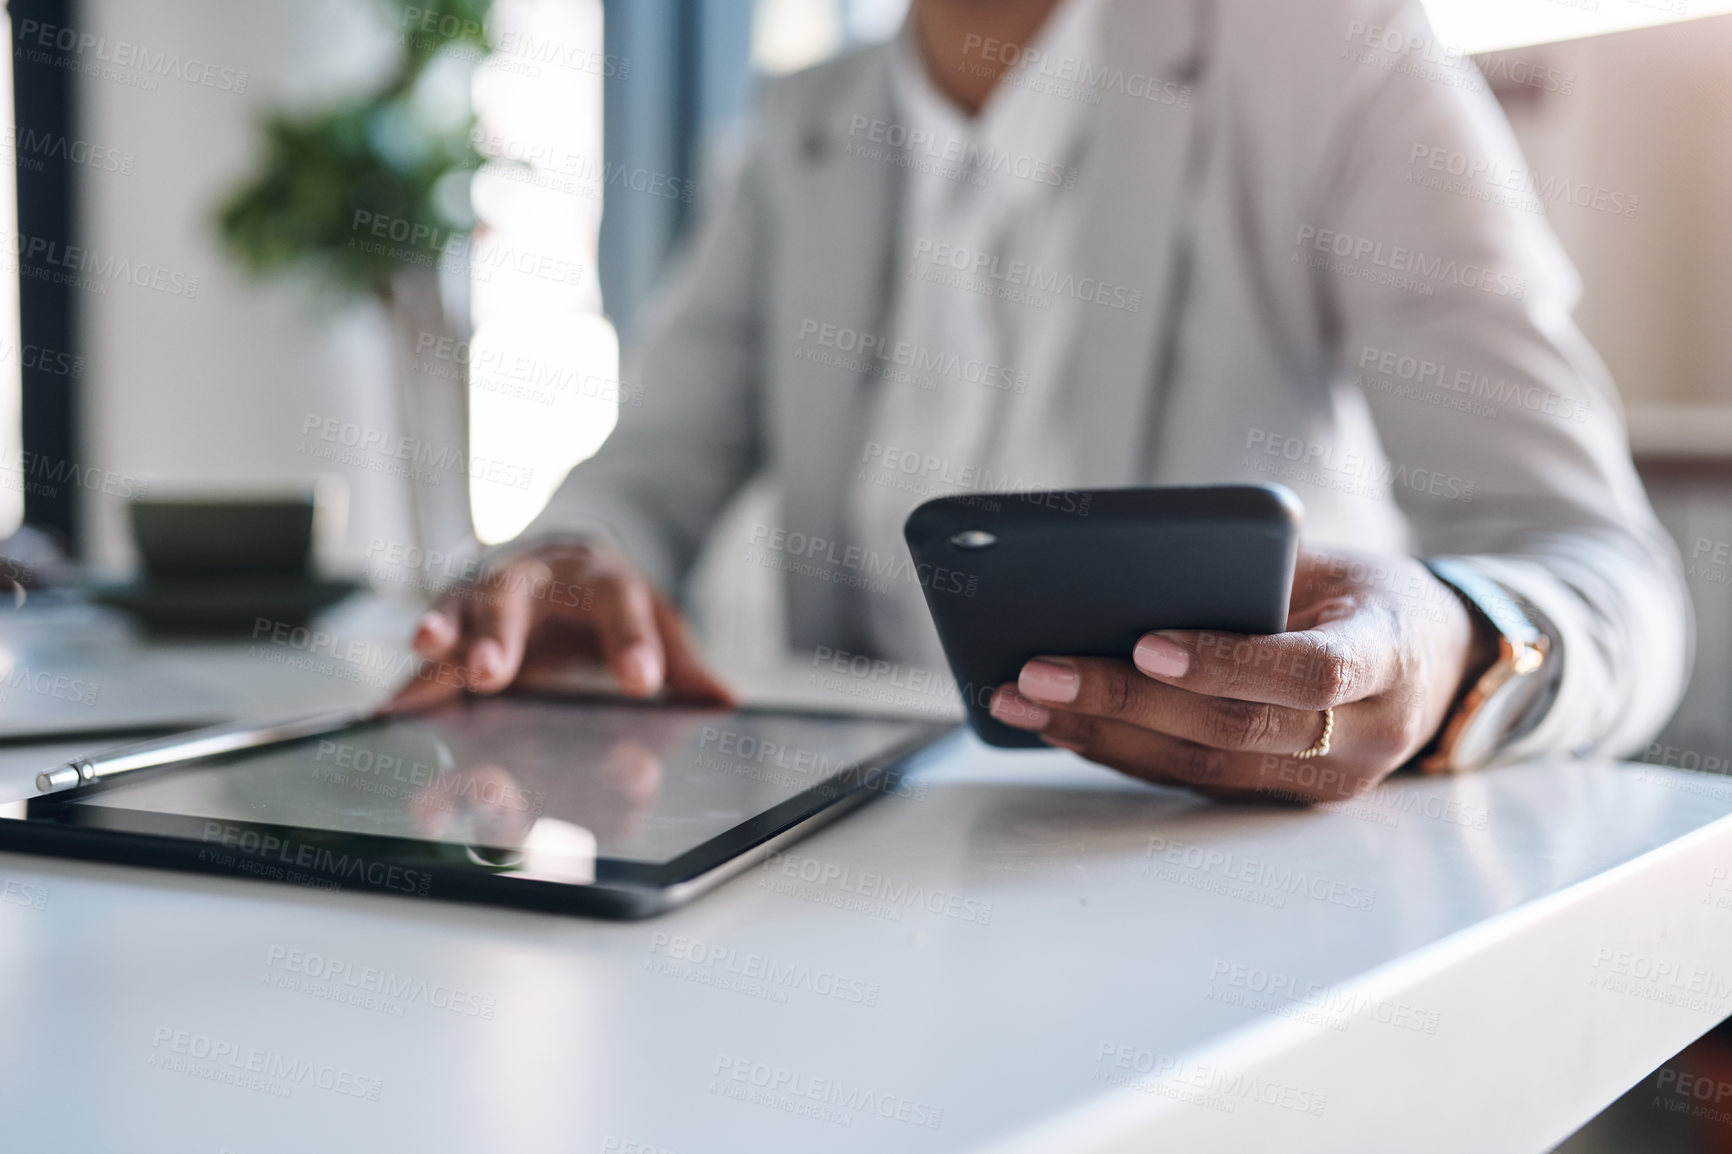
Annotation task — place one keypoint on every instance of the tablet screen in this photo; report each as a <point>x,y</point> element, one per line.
<point>536,787</point>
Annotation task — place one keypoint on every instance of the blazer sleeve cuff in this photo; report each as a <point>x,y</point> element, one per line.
<point>1596,704</point>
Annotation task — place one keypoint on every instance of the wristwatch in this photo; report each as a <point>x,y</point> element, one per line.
<point>1509,698</point>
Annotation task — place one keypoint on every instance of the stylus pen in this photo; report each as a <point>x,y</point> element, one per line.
<point>209,742</point>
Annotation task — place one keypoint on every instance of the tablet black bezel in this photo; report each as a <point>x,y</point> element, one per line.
<point>60,826</point>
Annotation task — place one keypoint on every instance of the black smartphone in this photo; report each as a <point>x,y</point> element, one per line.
<point>1085,573</point>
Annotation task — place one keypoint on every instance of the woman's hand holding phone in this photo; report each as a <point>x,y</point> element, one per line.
<point>1377,640</point>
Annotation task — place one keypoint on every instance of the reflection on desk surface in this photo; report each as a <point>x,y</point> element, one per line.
<point>580,778</point>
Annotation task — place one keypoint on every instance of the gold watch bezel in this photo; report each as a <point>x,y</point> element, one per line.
<point>1514,660</point>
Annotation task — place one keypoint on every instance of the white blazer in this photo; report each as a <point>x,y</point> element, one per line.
<point>1311,283</point>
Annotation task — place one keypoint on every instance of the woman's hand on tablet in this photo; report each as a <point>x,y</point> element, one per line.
<point>550,609</point>
<point>1378,642</point>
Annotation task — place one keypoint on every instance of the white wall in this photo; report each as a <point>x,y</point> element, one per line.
<point>217,388</point>
<point>1651,117</point>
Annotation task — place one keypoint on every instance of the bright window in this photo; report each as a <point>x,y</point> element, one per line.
<point>1489,25</point>
<point>544,363</point>
<point>788,35</point>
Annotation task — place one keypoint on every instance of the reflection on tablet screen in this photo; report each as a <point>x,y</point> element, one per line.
<point>545,787</point>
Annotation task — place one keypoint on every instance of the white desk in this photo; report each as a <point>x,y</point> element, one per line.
<point>1449,958</point>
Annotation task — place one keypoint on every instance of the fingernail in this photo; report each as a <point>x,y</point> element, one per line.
<point>1159,657</point>
<point>430,630</point>
<point>1019,711</point>
<point>1049,681</point>
<point>1053,741</point>
<point>487,659</point>
<point>641,669</point>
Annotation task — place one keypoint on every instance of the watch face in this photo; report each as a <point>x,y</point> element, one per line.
<point>1491,723</point>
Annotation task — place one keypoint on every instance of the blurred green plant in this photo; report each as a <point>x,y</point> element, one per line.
<point>401,155</point>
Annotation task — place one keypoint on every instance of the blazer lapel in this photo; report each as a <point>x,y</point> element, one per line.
<point>839,237</point>
<point>1142,165</point>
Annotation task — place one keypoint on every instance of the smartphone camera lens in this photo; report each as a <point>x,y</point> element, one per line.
<point>974,539</point>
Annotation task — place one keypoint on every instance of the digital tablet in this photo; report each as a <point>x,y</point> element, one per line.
<point>1085,573</point>
<point>601,808</point>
